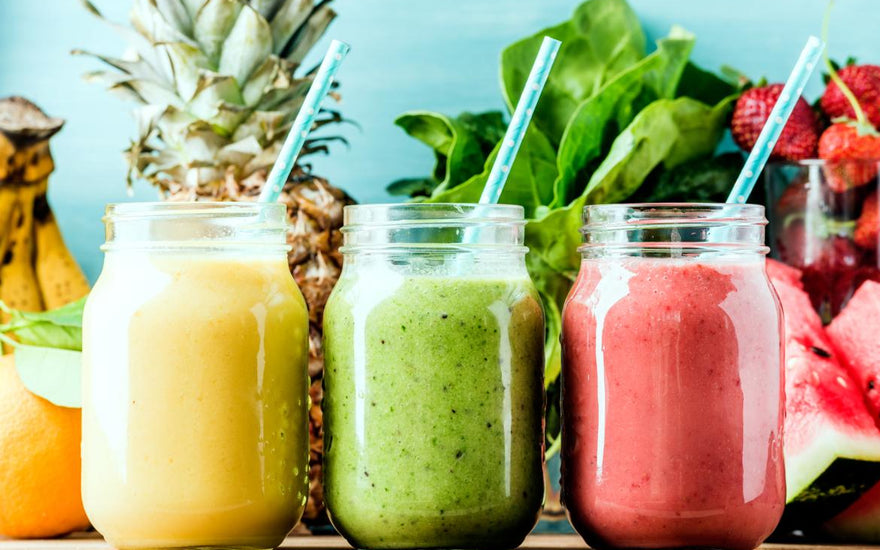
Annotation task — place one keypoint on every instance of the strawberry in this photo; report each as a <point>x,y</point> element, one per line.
<point>799,137</point>
<point>864,82</point>
<point>868,224</point>
<point>852,151</point>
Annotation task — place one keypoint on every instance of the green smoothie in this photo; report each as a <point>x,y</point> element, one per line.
<point>433,411</point>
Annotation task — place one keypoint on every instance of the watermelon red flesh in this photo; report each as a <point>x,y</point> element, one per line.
<point>780,272</point>
<point>825,417</point>
<point>855,335</point>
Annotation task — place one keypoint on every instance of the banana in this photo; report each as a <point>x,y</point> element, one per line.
<point>8,194</point>
<point>18,280</point>
<point>60,278</point>
<point>27,162</point>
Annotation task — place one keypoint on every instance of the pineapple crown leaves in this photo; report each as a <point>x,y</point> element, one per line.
<point>216,80</point>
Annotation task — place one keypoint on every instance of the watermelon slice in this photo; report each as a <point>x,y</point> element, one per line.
<point>826,418</point>
<point>855,334</point>
<point>780,272</point>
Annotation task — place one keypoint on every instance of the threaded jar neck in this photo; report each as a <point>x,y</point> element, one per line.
<point>433,228</point>
<point>673,229</point>
<point>233,226</point>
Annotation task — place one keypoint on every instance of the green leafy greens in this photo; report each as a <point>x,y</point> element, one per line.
<point>614,123</point>
<point>47,348</point>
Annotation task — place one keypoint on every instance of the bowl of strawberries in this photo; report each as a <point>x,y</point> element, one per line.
<point>822,183</point>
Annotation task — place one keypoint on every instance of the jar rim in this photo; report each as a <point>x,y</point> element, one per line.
<point>159,209</point>
<point>674,225</point>
<point>166,226</point>
<point>647,214</point>
<point>434,212</point>
<point>433,228</point>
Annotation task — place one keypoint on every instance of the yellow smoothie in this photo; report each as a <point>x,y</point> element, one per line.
<point>195,399</point>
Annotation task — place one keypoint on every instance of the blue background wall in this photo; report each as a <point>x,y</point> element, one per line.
<point>407,54</point>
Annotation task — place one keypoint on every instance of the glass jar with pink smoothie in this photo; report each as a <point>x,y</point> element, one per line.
<point>672,380</point>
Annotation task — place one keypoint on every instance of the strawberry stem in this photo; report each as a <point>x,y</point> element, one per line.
<point>861,118</point>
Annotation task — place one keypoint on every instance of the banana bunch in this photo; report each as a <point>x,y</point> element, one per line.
<point>37,271</point>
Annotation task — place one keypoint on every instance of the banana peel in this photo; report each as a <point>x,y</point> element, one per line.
<point>60,279</point>
<point>37,270</point>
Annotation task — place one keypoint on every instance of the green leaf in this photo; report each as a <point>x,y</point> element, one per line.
<point>667,132</point>
<point>704,85</point>
<point>600,117</point>
<point>412,187</point>
<point>527,184</point>
<point>212,25</point>
<point>602,38</point>
<point>460,144</point>
<point>248,44</point>
<point>701,180</point>
<point>53,374</point>
<point>290,16</point>
<point>553,287</point>
<point>309,33</point>
<point>58,328</point>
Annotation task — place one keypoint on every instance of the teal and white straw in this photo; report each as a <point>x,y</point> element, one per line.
<point>304,120</point>
<point>519,123</point>
<point>772,129</point>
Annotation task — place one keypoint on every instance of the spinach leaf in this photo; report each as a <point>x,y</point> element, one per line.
<point>603,38</point>
<point>529,181</point>
<point>666,133</point>
<point>51,373</point>
<point>58,328</point>
<point>701,180</point>
<point>704,85</point>
<point>412,187</point>
<point>553,287</point>
<point>599,118</point>
<point>460,144</point>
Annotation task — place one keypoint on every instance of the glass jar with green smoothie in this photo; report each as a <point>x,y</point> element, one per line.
<point>433,382</point>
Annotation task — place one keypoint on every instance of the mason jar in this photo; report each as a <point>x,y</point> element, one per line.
<point>672,384</point>
<point>195,381</point>
<point>433,400</point>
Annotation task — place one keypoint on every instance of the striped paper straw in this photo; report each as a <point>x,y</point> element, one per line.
<point>519,123</point>
<point>304,120</point>
<point>772,129</point>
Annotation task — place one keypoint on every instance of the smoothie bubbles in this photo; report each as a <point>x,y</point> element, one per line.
<point>195,390</point>
<point>433,399</point>
<point>672,380</point>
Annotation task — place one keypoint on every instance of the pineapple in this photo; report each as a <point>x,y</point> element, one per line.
<point>217,84</point>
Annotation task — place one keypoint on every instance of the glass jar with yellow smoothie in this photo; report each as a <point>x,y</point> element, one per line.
<point>195,380</point>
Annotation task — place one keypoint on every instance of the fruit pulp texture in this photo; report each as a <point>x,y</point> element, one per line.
<point>433,410</point>
<point>672,404</point>
<point>195,401</point>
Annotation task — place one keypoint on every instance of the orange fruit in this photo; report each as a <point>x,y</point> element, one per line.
<point>39,462</point>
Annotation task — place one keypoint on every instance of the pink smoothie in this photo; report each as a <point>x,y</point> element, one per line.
<point>672,403</point>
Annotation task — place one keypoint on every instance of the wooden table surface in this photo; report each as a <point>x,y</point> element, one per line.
<point>533,542</point>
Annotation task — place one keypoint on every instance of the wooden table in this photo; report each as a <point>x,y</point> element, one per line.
<point>533,542</point>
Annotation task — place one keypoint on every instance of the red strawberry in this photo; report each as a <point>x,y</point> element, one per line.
<point>864,82</point>
<point>799,137</point>
<point>852,152</point>
<point>868,224</point>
